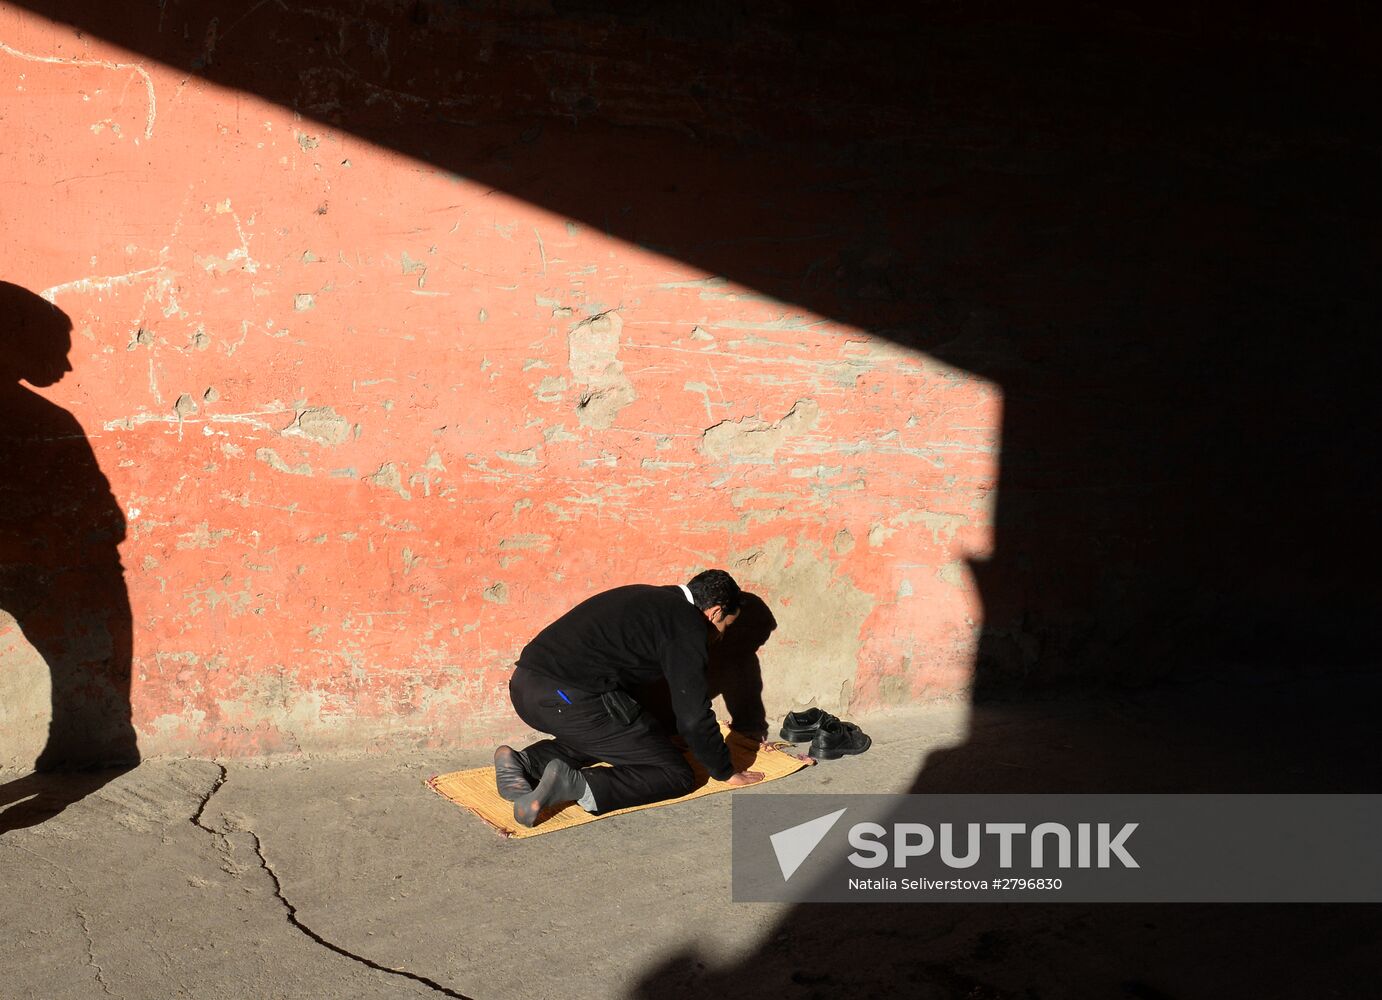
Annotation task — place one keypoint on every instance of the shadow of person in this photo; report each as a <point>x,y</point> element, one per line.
<point>60,575</point>
<point>734,672</point>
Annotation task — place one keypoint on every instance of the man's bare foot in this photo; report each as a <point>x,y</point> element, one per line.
<point>744,778</point>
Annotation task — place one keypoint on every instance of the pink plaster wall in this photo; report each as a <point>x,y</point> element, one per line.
<point>371,424</point>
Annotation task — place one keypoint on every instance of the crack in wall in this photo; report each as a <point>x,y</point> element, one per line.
<point>290,911</point>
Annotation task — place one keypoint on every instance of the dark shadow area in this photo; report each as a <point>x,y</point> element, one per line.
<point>61,581</point>
<point>40,795</point>
<point>734,672</point>
<point>1209,736</point>
<point>1154,231</point>
<point>1153,228</point>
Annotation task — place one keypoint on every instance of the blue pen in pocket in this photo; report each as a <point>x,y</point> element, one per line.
<point>562,695</point>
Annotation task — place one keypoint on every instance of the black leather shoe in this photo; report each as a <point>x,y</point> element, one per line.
<point>801,727</point>
<point>837,739</point>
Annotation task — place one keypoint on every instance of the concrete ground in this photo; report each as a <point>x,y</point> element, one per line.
<point>331,878</point>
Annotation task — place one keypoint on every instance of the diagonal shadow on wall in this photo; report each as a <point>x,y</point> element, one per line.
<point>1154,230</point>
<point>1154,236</point>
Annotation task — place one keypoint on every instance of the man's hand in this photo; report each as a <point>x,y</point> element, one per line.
<point>744,778</point>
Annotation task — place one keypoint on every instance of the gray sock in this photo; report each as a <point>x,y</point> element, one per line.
<point>587,799</point>
<point>560,783</point>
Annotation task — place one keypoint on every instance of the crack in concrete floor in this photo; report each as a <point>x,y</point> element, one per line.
<point>91,953</point>
<point>290,911</point>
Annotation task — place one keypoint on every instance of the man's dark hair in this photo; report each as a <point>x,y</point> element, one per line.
<point>715,587</point>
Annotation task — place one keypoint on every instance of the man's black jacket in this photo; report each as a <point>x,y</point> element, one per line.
<point>628,636</point>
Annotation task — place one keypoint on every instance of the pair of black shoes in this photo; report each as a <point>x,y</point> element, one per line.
<point>831,738</point>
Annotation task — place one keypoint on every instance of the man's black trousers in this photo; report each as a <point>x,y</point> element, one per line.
<point>646,767</point>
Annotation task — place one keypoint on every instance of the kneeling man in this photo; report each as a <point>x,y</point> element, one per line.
<point>574,679</point>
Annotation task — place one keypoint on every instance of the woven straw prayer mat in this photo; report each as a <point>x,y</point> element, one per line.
<point>474,789</point>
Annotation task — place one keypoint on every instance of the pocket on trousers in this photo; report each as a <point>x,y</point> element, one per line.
<point>622,707</point>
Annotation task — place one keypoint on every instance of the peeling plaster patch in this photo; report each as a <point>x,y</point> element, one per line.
<point>753,440</point>
<point>417,267</point>
<point>185,407</point>
<point>389,478</point>
<point>551,389</point>
<point>97,283</point>
<point>174,723</point>
<point>237,602</point>
<point>527,457</point>
<point>222,265</point>
<point>211,395</point>
<point>291,711</point>
<point>420,479</point>
<point>542,542</point>
<point>847,373</point>
<point>594,360</point>
<point>704,391</point>
<point>202,537</point>
<point>786,322</point>
<point>953,573</point>
<point>307,142</point>
<point>747,495</point>
<point>497,594</point>
<point>270,458</point>
<point>142,338</point>
<point>818,472</point>
<point>813,655</point>
<point>606,459</point>
<point>876,536</point>
<point>321,424</point>
<point>940,524</point>
<point>844,541</point>
<point>303,301</point>
<point>434,463</point>
<point>712,281</point>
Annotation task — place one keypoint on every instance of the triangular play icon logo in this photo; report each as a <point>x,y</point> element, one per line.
<point>795,844</point>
